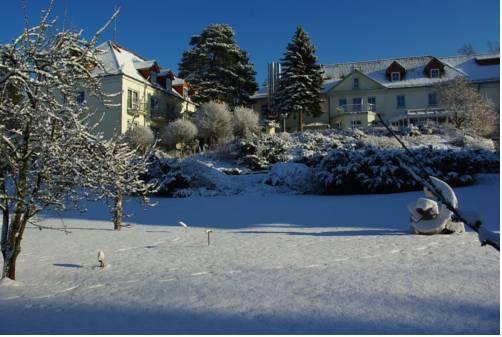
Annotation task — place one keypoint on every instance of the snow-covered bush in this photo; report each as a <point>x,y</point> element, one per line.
<point>245,122</point>
<point>167,174</point>
<point>372,170</point>
<point>214,122</point>
<point>294,176</point>
<point>180,131</point>
<point>140,137</point>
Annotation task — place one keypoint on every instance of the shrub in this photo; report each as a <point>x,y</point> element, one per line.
<point>214,122</point>
<point>140,137</point>
<point>245,122</point>
<point>180,131</point>
<point>372,170</point>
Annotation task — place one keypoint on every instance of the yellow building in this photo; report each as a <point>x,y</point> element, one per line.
<point>402,90</point>
<point>138,92</point>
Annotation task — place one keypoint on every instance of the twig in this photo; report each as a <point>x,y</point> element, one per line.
<point>485,236</point>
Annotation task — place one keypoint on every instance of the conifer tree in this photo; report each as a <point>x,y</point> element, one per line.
<point>217,68</point>
<point>301,80</point>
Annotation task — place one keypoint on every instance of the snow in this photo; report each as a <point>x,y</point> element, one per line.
<point>277,263</point>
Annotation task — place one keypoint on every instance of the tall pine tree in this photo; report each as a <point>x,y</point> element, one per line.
<point>217,68</point>
<point>301,79</point>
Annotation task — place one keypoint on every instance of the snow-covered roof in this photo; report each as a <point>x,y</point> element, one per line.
<point>178,81</point>
<point>144,64</point>
<point>455,66</point>
<point>118,60</point>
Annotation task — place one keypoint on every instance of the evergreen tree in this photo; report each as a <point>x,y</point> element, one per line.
<point>217,68</point>
<point>300,86</point>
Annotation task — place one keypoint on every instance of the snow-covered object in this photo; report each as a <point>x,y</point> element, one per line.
<point>427,216</point>
<point>101,258</point>
<point>446,191</point>
<point>295,176</point>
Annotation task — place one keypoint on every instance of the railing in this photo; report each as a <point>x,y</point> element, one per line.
<point>135,109</point>
<point>425,112</point>
<point>355,108</point>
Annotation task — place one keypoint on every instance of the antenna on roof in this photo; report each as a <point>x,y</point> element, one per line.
<point>115,25</point>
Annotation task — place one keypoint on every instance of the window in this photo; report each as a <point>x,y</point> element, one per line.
<point>433,99</point>
<point>132,99</point>
<point>355,124</point>
<point>185,92</point>
<point>357,102</point>
<point>81,97</point>
<point>355,83</point>
<point>153,77</point>
<point>401,103</point>
<point>342,104</point>
<point>372,102</point>
<point>435,73</point>
<point>395,76</point>
<point>154,103</point>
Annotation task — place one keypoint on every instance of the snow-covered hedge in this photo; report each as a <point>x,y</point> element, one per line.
<point>374,170</point>
<point>293,176</point>
<point>326,162</point>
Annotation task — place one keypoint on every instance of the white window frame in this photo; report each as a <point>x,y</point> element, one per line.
<point>395,73</point>
<point>355,123</point>
<point>433,70</point>
<point>132,99</point>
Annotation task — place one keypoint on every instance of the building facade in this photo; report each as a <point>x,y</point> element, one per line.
<point>403,91</point>
<point>137,92</point>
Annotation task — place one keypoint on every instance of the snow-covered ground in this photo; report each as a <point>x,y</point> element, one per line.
<point>276,264</point>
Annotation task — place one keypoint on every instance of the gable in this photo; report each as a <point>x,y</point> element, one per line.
<point>365,83</point>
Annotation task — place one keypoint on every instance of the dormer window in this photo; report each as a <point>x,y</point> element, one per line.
<point>395,76</point>
<point>153,77</point>
<point>434,69</point>
<point>355,84</point>
<point>435,73</point>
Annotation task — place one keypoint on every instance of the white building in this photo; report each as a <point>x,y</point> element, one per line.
<point>144,93</point>
<point>403,90</point>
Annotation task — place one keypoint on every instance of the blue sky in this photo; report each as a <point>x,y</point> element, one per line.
<point>342,30</point>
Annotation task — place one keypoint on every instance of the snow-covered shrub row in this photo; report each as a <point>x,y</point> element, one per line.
<point>189,177</point>
<point>373,170</point>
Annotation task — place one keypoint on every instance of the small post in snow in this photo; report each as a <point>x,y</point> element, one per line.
<point>101,259</point>
<point>209,236</point>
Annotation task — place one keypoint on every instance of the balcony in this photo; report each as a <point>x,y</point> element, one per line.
<point>362,108</point>
<point>135,109</point>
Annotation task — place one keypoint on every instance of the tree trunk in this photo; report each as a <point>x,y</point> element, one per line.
<point>300,120</point>
<point>117,211</point>
<point>11,247</point>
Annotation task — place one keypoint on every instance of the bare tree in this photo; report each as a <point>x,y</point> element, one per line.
<point>493,48</point>
<point>214,121</point>
<point>52,157</point>
<point>466,49</point>
<point>124,167</point>
<point>245,122</point>
<point>180,131</point>
<point>468,108</point>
